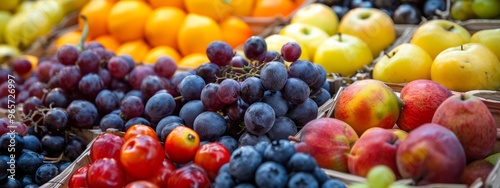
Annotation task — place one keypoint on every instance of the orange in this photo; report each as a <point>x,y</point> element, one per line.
<point>196,33</point>
<point>127,19</point>
<point>267,8</point>
<point>242,7</point>
<point>72,38</point>
<point>137,49</point>
<point>192,61</point>
<point>109,42</point>
<point>163,25</point>
<point>161,51</point>
<point>215,9</point>
<point>164,3</point>
<point>96,12</point>
<point>235,31</point>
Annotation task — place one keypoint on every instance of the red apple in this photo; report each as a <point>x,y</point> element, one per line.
<point>431,154</point>
<point>377,146</point>
<point>476,169</point>
<point>471,120</point>
<point>328,140</point>
<point>421,99</point>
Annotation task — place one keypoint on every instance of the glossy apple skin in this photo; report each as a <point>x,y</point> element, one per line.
<point>377,146</point>
<point>328,140</point>
<point>476,169</point>
<point>79,178</point>
<point>421,99</point>
<point>106,172</point>
<point>368,103</point>
<point>470,119</point>
<point>106,145</point>
<point>431,148</point>
<point>181,145</point>
<point>211,157</point>
<point>142,156</point>
<point>190,175</point>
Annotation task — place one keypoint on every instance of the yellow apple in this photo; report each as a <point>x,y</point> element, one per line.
<point>9,4</point>
<point>308,35</point>
<point>437,35</point>
<point>371,25</point>
<point>405,63</point>
<point>276,41</point>
<point>343,54</point>
<point>4,19</point>
<point>471,66</point>
<point>319,15</point>
<point>490,38</point>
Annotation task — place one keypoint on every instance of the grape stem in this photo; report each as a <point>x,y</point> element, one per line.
<point>85,32</point>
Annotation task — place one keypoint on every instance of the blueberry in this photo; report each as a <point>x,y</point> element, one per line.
<point>64,165</point>
<point>279,151</point>
<point>333,183</point>
<point>301,162</point>
<point>245,185</point>
<point>32,143</point>
<point>224,180</point>
<point>167,129</point>
<point>243,163</point>
<point>320,175</point>
<point>29,161</point>
<point>249,139</point>
<point>45,173</point>
<point>11,183</point>
<point>224,168</point>
<point>6,145</point>
<point>261,146</point>
<point>3,169</point>
<point>228,141</point>
<point>302,180</point>
<point>27,180</point>
<point>271,174</point>
<point>31,186</point>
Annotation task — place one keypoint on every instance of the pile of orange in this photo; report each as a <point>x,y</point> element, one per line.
<point>181,29</point>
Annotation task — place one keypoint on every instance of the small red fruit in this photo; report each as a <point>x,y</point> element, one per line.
<point>79,178</point>
<point>181,145</point>
<point>106,145</point>
<point>211,157</point>
<point>190,175</point>
<point>162,175</point>
<point>141,184</point>
<point>141,156</point>
<point>105,172</point>
<point>139,129</point>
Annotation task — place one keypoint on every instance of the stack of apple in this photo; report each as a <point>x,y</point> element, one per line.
<point>445,52</point>
<point>427,134</point>
<point>340,46</point>
<point>473,9</point>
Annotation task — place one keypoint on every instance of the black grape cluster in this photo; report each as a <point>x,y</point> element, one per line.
<point>272,164</point>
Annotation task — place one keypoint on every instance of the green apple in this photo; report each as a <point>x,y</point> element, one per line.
<point>462,10</point>
<point>343,54</point>
<point>308,35</point>
<point>405,63</point>
<point>4,19</point>
<point>486,9</point>
<point>493,158</point>
<point>437,35</point>
<point>371,25</point>
<point>462,68</point>
<point>319,15</point>
<point>490,38</point>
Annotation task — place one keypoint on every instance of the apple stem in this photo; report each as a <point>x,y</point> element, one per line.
<point>340,36</point>
<point>462,96</point>
<point>294,139</point>
<point>462,47</point>
<point>452,26</point>
<point>386,54</point>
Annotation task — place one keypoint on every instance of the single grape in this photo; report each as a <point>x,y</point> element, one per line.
<point>120,85</point>
<point>238,61</point>
<point>291,51</point>
<point>380,176</point>
<point>190,111</point>
<point>176,80</point>
<point>113,121</point>
<point>31,105</point>
<point>209,72</point>
<point>37,89</point>
<point>236,110</point>
<point>259,118</point>
<point>167,120</point>
<point>22,96</point>
<point>118,67</point>
<point>159,106</point>
<point>190,87</point>
<point>322,76</point>
<point>255,48</point>
<point>277,102</point>
<point>210,126</point>
<point>220,53</point>
<point>282,128</point>
<point>295,90</point>
<point>104,54</point>
<point>134,92</point>
<point>90,85</point>
<point>273,76</point>
<point>88,62</point>
<point>249,139</point>
<point>131,107</point>
<point>21,66</point>
<point>67,54</point>
<point>82,114</point>
<point>303,70</point>
<point>53,82</point>
<point>129,59</point>
<point>56,120</point>
<point>152,84</point>
<point>252,90</point>
<point>165,67</point>
<point>303,113</point>
<point>106,101</point>
<point>69,77</point>
<point>42,71</point>
<point>209,97</point>
<point>55,68</point>
<point>138,74</point>
<point>167,129</point>
<point>321,96</point>
<point>229,91</point>
<point>273,55</point>
<point>105,76</point>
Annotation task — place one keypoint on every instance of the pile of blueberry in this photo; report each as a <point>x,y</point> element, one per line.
<point>272,164</point>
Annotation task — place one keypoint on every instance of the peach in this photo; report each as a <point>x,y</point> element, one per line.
<point>431,154</point>
<point>476,169</point>
<point>377,146</point>
<point>471,120</point>
<point>368,103</point>
<point>328,140</point>
<point>421,99</point>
